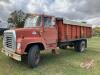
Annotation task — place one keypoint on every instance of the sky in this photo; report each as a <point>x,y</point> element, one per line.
<point>79,10</point>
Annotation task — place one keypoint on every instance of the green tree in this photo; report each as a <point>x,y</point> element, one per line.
<point>17,19</point>
<point>96,31</point>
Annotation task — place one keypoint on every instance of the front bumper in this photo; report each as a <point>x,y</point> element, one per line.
<point>11,54</point>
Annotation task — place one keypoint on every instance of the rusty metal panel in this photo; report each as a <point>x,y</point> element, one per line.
<point>61,35</point>
<point>82,32</point>
<point>78,31</point>
<point>89,32</point>
<point>72,32</point>
<point>85,32</point>
<point>69,33</point>
<point>65,31</point>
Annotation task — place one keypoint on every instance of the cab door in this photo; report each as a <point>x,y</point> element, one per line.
<point>50,31</point>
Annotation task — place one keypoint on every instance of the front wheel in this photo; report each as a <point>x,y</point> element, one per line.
<point>34,56</point>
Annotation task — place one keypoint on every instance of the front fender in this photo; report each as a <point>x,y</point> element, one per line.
<point>26,41</point>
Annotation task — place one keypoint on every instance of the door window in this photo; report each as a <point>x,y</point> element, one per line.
<point>47,22</point>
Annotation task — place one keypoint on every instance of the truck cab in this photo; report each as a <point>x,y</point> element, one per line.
<point>39,33</point>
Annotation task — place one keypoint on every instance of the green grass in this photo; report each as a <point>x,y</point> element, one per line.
<point>66,63</point>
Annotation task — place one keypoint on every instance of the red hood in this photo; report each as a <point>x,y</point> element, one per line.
<point>26,32</point>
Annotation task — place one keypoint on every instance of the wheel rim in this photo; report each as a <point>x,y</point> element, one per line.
<point>82,46</point>
<point>37,58</point>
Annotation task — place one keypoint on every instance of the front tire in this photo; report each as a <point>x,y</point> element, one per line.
<point>33,56</point>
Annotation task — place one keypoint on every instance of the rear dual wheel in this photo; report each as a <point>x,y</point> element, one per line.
<point>79,46</point>
<point>63,47</point>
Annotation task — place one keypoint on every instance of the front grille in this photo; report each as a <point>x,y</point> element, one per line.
<point>9,40</point>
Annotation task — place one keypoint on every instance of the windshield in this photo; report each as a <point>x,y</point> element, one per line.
<point>32,21</point>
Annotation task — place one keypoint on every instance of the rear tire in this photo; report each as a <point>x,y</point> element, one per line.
<point>79,46</point>
<point>34,56</point>
<point>71,46</point>
<point>63,47</point>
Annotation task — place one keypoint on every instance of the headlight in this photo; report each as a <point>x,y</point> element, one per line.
<point>18,45</point>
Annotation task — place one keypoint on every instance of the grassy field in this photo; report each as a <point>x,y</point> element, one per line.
<point>66,63</point>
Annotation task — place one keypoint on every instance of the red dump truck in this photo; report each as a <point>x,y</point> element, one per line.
<point>43,32</point>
